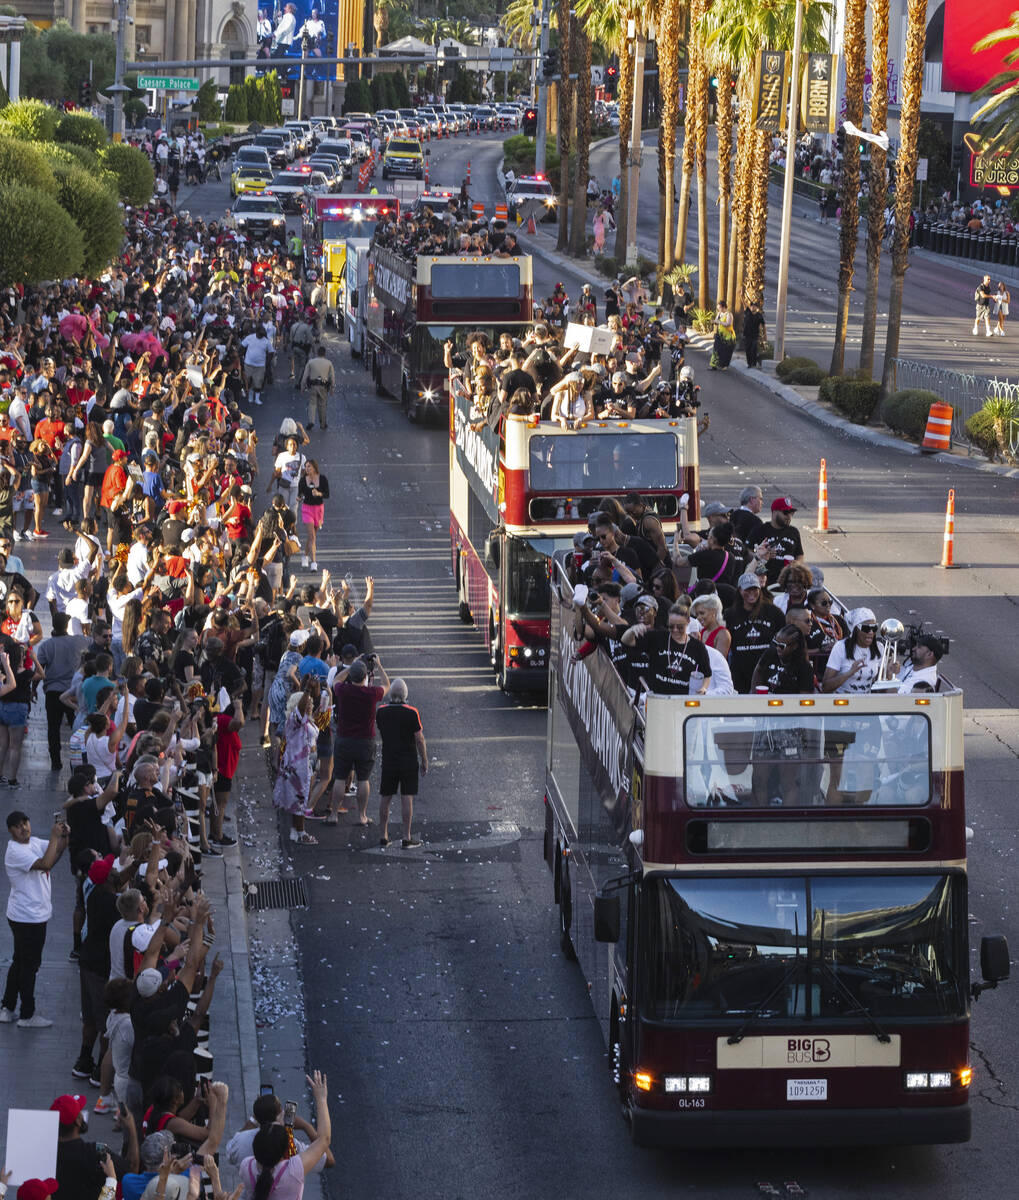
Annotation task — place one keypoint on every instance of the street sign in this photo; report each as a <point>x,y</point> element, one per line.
<point>921,168</point>
<point>168,83</point>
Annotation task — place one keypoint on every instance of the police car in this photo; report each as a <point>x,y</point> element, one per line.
<point>531,187</point>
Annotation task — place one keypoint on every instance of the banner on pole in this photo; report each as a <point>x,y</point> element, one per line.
<point>771,74</point>
<point>819,94</point>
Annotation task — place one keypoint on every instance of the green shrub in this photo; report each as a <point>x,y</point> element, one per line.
<point>80,155</point>
<point>857,398</point>
<point>237,104</point>
<point>135,177</point>
<point>809,375</point>
<point>30,120</point>
<point>906,411</point>
<point>81,129</point>
<point>94,209</point>
<point>792,363</point>
<point>253,97</point>
<point>21,163</point>
<point>38,240</point>
<point>827,391</point>
<point>980,431</point>
<point>206,104</point>
<point>605,264</point>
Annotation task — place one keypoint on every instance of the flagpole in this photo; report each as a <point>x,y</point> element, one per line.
<point>787,190</point>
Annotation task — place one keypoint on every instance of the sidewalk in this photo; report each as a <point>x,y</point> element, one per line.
<point>805,399</point>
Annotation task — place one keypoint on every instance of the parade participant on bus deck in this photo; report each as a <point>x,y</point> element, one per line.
<point>853,663</point>
<point>673,654</point>
<point>752,623</point>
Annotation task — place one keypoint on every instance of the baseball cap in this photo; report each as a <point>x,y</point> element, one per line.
<point>618,376</point>
<point>579,539</point>
<point>37,1189</point>
<point>69,1107</point>
<point>748,580</point>
<point>714,509</point>
<point>783,504</point>
<point>148,983</point>
<point>646,602</point>
<point>629,591</point>
<point>100,870</point>
<point>187,535</point>
<point>298,637</point>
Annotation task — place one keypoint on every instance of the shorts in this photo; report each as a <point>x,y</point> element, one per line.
<point>204,779</point>
<point>40,486</point>
<point>274,574</point>
<point>93,1007</point>
<point>255,376</point>
<point>399,778</point>
<point>95,479</point>
<point>312,514</point>
<point>324,744</point>
<point>353,754</point>
<point>13,713</point>
<point>223,783</point>
<point>257,674</point>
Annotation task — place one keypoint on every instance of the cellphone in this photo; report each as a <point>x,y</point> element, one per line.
<point>266,1089</point>
<point>289,1113</point>
<point>58,817</point>
<point>102,1150</point>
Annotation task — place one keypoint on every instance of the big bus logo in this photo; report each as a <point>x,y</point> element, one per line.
<point>808,1050</point>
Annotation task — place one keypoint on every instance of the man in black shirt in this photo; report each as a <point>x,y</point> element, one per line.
<point>403,747</point>
<point>80,1171</point>
<point>94,961</point>
<point>748,526</point>
<point>783,538</point>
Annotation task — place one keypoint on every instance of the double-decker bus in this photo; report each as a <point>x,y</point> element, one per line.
<point>767,895</point>
<point>335,220</point>
<point>518,495</point>
<point>418,303</point>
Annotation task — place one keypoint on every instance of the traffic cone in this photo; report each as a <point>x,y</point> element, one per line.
<point>948,549</point>
<point>468,172</point>
<point>822,499</point>
<point>531,226</point>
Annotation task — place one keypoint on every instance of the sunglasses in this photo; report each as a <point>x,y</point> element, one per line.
<point>822,603</point>
<point>868,628</point>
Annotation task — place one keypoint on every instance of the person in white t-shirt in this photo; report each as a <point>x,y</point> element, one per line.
<point>28,862</point>
<point>287,471</point>
<point>257,346</point>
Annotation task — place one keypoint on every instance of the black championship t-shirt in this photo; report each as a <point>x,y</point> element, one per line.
<point>751,636</point>
<point>672,663</point>
<point>397,723</point>
<point>784,676</point>
<point>787,544</point>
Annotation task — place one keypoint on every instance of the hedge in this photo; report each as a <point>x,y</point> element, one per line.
<point>792,363</point>
<point>22,164</point>
<point>906,411</point>
<point>855,398</point>
<point>38,239</point>
<point>95,211</point>
<point>81,129</point>
<point>136,180</point>
<point>236,104</point>
<point>30,120</point>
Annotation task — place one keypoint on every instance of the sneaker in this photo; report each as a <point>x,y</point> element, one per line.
<point>27,536</point>
<point>7,1016</point>
<point>72,955</point>
<point>105,1106</point>
<point>987,334</point>
<point>58,512</point>
<point>224,840</point>
<point>976,330</point>
<point>41,533</point>
<point>94,1079</point>
<point>304,561</point>
<point>212,851</point>
<point>384,842</point>
<point>35,1022</point>
<point>314,566</point>
<point>84,1068</point>
<point>411,843</point>
<point>17,535</point>
<point>258,401</point>
<point>13,783</point>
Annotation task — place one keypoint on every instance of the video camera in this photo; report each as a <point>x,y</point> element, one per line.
<point>915,630</point>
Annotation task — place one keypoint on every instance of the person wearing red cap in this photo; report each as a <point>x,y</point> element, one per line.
<point>80,1172</point>
<point>37,1189</point>
<point>782,544</point>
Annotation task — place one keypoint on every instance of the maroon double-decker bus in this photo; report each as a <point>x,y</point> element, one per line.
<point>415,304</point>
<point>767,895</point>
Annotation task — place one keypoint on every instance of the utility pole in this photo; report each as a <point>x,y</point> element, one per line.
<point>637,37</point>
<point>305,42</point>
<point>540,133</point>
<point>787,190</point>
<point>119,88</point>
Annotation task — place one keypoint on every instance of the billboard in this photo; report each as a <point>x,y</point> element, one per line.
<point>965,24</point>
<point>318,20</point>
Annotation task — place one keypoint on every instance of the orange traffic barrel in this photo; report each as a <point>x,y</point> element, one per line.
<point>501,212</point>
<point>938,435</point>
<point>478,210</point>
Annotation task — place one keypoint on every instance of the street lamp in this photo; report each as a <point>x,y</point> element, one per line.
<point>118,89</point>
<point>305,47</point>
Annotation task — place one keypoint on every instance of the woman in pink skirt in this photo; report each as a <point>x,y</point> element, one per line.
<point>313,492</point>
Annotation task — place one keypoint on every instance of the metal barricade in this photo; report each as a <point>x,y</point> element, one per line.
<point>966,393</point>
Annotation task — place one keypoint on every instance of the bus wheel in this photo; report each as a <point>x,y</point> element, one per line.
<point>566,915</point>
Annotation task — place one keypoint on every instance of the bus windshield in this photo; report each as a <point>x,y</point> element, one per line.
<point>823,759</point>
<point>337,231</point>
<point>803,947</point>
<point>613,463</point>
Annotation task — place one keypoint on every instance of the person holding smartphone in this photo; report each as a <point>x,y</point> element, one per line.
<point>271,1173</point>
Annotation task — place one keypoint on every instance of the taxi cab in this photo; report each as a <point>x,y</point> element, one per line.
<point>249,179</point>
<point>403,156</point>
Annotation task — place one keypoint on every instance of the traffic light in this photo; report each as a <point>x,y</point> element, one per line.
<point>529,123</point>
<point>85,93</point>
<point>550,67</point>
<point>840,140</point>
<point>611,79</point>
<point>957,158</point>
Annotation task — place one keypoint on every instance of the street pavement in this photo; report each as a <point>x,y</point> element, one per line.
<point>461,1049</point>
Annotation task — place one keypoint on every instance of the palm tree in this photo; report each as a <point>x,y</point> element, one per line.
<point>460,30</point>
<point>855,46</point>
<point>668,27</point>
<point>724,130</point>
<point>697,79</point>
<point>878,184</point>
<point>905,172</point>
<point>1001,94</point>
<point>581,56</point>
<point>565,120</point>
<point>380,20</point>
<point>432,30</point>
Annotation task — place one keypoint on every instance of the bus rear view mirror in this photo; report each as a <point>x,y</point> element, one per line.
<point>606,918</point>
<point>995,965</point>
<point>493,550</point>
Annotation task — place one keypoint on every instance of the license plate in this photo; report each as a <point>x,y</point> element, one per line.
<point>806,1089</point>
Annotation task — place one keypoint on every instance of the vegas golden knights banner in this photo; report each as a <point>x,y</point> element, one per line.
<point>771,74</point>
<point>818,96</point>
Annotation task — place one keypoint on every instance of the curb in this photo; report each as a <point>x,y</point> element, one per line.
<point>240,956</point>
<point>787,394</point>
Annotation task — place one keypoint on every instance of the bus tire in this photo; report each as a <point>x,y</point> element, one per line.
<point>566,915</point>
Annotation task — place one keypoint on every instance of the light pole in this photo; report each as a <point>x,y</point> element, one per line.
<point>540,134</point>
<point>787,190</point>
<point>305,43</point>
<point>118,88</point>
<point>636,35</point>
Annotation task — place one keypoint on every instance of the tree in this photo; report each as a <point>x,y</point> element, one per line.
<point>464,88</point>
<point>135,110</point>
<point>400,89</point>
<point>878,180</point>
<point>95,211</point>
<point>30,120</point>
<point>253,95</point>
<point>668,81</point>
<point>206,104</point>
<point>38,240</point>
<point>272,98</point>
<point>378,91</point>
<point>461,31</point>
<point>999,114</point>
<point>22,163</point>
<point>565,119</point>
<point>582,60</point>
<point>855,44</point>
<point>357,97</point>
<point>237,104</point>
<point>135,177</point>
<point>697,115</point>
<point>81,129</point>
<point>905,172</point>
